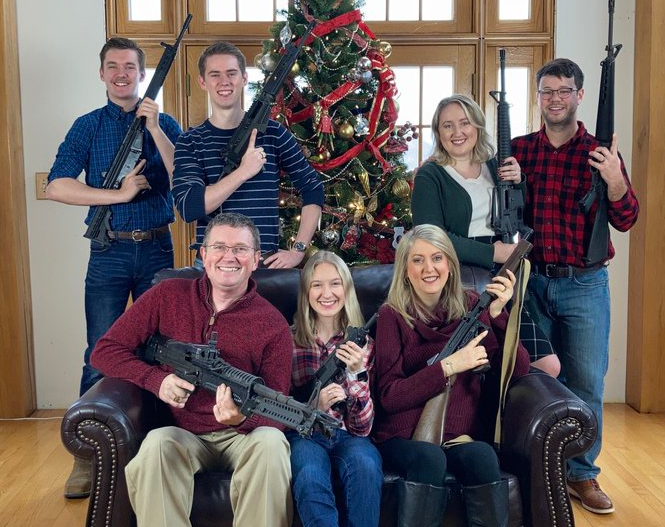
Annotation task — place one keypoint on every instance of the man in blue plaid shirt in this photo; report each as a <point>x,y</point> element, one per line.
<point>142,208</point>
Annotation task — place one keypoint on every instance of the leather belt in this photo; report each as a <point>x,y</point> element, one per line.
<point>563,271</point>
<point>139,235</point>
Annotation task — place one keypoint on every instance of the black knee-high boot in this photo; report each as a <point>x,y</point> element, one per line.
<point>487,505</point>
<point>420,504</point>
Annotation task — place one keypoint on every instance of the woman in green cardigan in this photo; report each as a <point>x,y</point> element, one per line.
<point>453,189</point>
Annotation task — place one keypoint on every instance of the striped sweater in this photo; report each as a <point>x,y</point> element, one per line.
<point>199,162</point>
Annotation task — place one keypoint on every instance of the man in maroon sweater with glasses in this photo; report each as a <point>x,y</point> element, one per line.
<point>210,432</point>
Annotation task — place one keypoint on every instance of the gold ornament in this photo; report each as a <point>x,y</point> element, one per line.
<point>401,188</point>
<point>345,130</point>
<point>363,177</point>
<point>309,252</point>
<point>362,210</point>
<point>257,60</point>
<point>295,69</point>
<point>385,48</point>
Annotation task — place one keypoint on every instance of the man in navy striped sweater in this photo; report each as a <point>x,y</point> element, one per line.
<point>251,189</point>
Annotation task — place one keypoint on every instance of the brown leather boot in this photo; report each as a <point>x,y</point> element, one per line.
<point>80,480</point>
<point>591,496</point>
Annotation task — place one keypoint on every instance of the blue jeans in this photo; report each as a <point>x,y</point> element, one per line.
<point>575,315</point>
<point>352,460</point>
<point>115,272</point>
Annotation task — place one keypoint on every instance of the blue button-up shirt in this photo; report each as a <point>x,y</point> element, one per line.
<point>90,146</point>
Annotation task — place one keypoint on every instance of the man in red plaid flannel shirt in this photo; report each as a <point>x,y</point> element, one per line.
<point>573,304</point>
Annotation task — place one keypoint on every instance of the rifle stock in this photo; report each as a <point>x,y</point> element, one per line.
<point>201,365</point>
<point>597,249</point>
<point>132,144</point>
<point>431,424</point>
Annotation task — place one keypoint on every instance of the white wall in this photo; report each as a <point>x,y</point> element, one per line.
<point>581,35</point>
<point>59,44</point>
<point>58,47</point>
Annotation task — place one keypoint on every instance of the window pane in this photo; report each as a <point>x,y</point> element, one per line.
<point>143,86</point>
<point>256,10</point>
<point>403,10</point>
<point>409,104</point>
<point>517,87</point>
<point>374,10</point>
<point>438,82</point>
<point>281,4</point>
<point>437,9</point>
<point>514,9</point>
<point>410,158</point>
<point>428,142</point>
<point>220,10</point>
<point>145,9</point>
<point>254,75</point>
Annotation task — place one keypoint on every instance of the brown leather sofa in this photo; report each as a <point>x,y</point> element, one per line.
<point>544,424</point>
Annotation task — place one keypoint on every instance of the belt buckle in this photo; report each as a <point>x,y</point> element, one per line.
<point>138,235</point>
<point>550,271</point>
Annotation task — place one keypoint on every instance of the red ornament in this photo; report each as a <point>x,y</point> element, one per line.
<point>350,239</point>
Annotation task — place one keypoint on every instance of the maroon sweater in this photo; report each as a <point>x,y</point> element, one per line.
<point>252,336</point>
<point>405,382</point>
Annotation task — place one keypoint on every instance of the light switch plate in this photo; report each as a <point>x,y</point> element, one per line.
<point>41,180</point>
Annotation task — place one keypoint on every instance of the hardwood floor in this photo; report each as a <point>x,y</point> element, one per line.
<point>34,466</point>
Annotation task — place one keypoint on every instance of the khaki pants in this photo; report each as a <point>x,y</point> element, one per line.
<point>160,479</point>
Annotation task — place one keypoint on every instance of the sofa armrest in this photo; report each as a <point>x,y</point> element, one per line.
<point>544,424</point>
<point>106,426</point>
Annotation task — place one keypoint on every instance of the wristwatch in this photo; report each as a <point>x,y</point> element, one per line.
<point>357,375</point>
<point>300,247</point>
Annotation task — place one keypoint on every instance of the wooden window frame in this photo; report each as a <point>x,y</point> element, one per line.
<point>540,23</point>
<point>117,14</point>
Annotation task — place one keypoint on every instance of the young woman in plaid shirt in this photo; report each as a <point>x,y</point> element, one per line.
<point>327,304</point>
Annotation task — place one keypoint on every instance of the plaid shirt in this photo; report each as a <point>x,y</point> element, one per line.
<point>557,178</point>
<point>359,415</point>
<point>91,145</point>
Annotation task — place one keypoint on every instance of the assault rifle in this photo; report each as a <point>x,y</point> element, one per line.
<point>433,417</point>
<point>471,326</point>
<point>507,198</point>
<point>333,368</point>
<point>130,150</point>
<point>201,365</point>
<point>257,116</point>
<point>596,251</point>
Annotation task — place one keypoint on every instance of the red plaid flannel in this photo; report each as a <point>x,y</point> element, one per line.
<point>557,178</point>
<point>359,415</point>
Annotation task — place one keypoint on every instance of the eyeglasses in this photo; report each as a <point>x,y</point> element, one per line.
<point>220,249</point>
<point>563,93</point>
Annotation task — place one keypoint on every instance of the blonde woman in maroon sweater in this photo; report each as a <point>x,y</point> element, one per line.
<point>425,304</point>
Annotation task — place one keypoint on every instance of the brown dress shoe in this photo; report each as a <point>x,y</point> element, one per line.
<point>591,496</point>
<point>80,480</point>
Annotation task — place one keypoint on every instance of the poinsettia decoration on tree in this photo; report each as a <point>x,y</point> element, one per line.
<point>339,102</point>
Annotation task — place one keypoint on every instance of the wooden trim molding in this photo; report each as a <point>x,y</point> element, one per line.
<point>645,366</point>
<point>17,378</point>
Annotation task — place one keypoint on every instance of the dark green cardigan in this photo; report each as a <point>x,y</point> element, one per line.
<point>440,200</point>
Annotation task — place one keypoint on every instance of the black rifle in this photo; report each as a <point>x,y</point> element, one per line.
<point>130,150</point>
<point>201,365</point>
<point>333,368</point>
<point>596,251</point>
<point>470,325</point>
<point>507,198</point>
<point>257,116</point>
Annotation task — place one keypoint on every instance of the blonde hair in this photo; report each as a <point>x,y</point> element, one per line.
<point>304,320</point>
<point>402,297</point>
<point>483,150</point>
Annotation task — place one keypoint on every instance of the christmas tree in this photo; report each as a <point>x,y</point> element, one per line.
<point>339,102</point>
